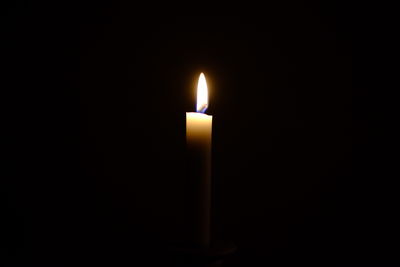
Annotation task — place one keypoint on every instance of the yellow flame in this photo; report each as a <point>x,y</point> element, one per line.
<point>202,94</point>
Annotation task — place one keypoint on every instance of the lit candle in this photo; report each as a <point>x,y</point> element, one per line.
<point>198,139</point>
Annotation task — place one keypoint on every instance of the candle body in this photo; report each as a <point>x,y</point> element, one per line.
<point>198,141</point>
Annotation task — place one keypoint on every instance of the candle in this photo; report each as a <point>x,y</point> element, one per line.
<point>198,140</point>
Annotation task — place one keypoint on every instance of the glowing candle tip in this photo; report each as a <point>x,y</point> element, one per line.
<point>202,94</point>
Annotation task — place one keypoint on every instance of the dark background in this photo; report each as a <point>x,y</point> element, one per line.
<point>94,102</point>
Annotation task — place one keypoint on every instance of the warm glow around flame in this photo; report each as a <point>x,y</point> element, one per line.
<point>202,94</point>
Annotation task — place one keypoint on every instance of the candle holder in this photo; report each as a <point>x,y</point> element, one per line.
<point>190,256</point>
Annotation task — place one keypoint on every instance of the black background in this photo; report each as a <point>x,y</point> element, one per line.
<point>94,102</point>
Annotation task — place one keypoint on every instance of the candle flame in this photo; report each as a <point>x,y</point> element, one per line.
<point>202,94</point>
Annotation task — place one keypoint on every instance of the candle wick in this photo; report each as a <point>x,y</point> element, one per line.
<point>203,108</point>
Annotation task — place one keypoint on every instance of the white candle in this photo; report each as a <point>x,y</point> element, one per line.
<point>198,139</point>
